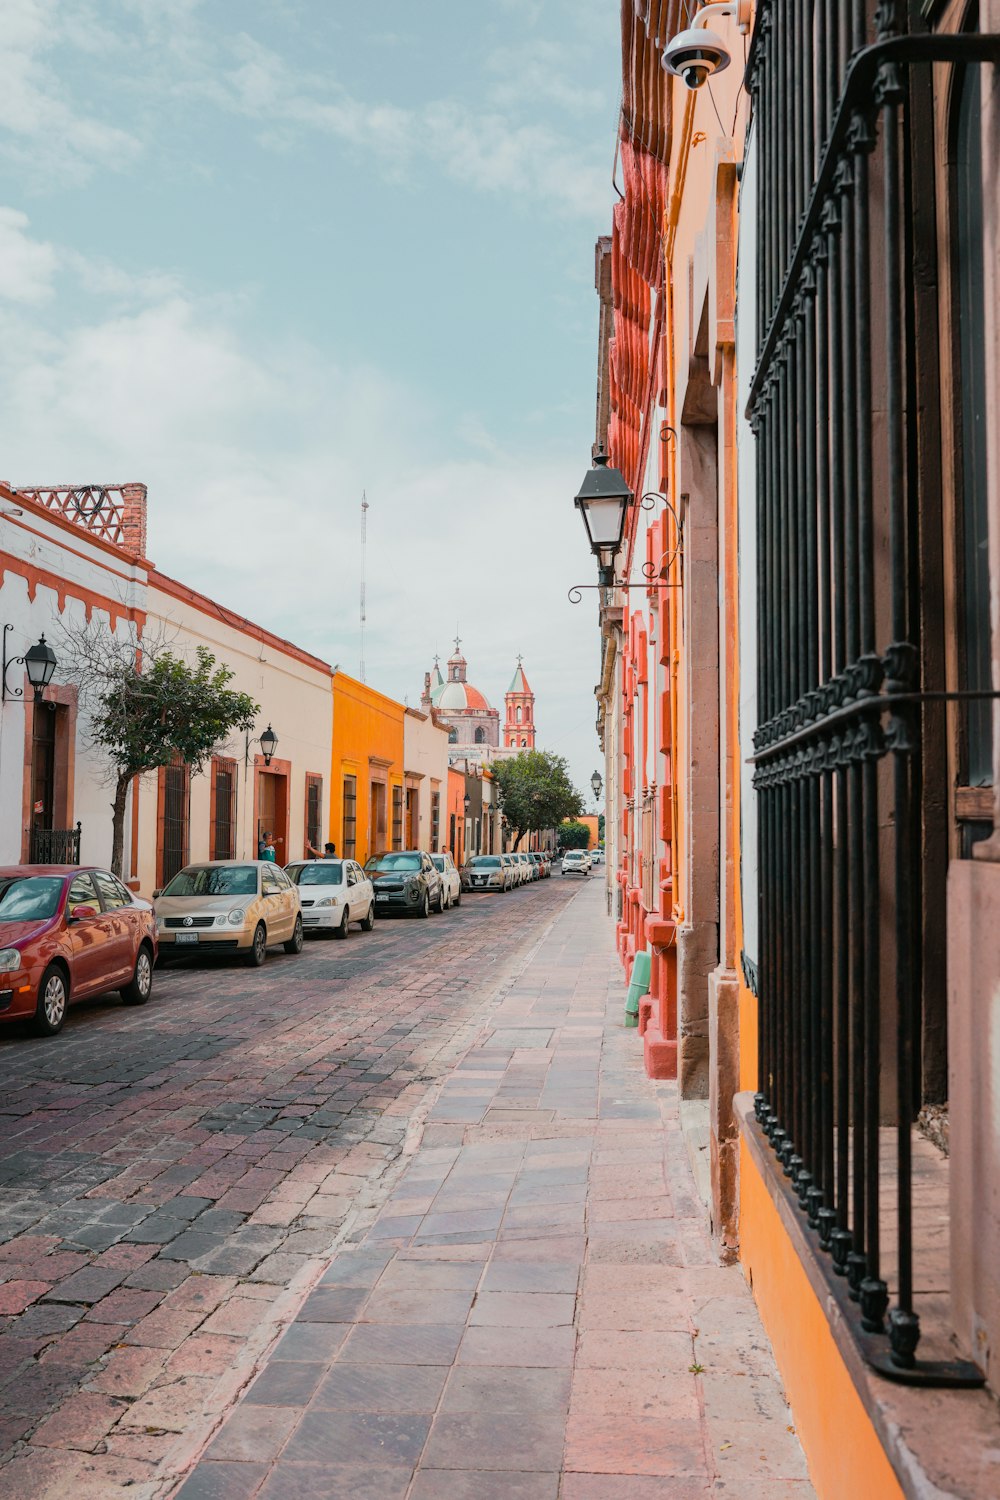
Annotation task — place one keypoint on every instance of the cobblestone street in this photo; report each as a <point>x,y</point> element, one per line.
<point>175,1178</point>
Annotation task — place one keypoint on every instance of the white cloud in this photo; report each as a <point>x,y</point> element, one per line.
<point>39,127</point>
<point>256,460</point>
<point>27,266</point>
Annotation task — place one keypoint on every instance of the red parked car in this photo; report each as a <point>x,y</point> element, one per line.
<point>67,933</point>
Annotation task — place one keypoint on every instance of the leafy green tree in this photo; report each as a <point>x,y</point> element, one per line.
<point>574,836</point>
<point>536,790</point>
<point>600,828</point>
<point>147,705</point>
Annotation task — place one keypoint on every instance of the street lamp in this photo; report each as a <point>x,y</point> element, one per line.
<point>603,500</point>
<point>268,744</point>
<point>39,661</point>
<point>596,785</point>
<point>466,803</point>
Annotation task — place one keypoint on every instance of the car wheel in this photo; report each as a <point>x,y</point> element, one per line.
<point>367,923</point>
<point>458,899</point>
<point>345,923</point>
<point>425,907</point>
<point>258,948</point>
<point>444,900</point>
<point>295,942</point>
<point>139,989</point>
<point>50,1012</point>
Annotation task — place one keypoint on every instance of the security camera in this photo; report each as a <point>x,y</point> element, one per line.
<point>695,55</point>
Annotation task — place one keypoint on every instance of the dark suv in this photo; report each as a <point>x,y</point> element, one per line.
<point>406,880</point>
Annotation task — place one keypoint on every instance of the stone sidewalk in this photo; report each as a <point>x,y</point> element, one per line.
<point>537,1312</point>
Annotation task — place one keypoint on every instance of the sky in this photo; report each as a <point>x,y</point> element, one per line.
<point>268,255</point>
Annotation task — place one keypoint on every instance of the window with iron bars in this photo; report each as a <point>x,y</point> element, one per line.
<point>349,830</point>
<point>314,811</point>
<point>397,817</point>
<point>224,810</point>
<point>849,973</point>
<point>435,820</point>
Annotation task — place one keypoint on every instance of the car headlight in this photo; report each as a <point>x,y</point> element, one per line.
<point>10,959</point>
<point>236,918</point>
<point>328,901</point>
<point>413,889</point>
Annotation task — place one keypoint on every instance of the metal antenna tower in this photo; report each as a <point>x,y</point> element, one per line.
<point>364,567</point>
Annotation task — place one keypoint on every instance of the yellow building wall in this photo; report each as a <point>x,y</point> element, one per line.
<point>846,1459</point>
<point>367,744</point>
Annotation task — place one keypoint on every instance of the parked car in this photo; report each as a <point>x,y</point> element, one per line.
<point>66,934</point>
<point>597,856</point>
<point>512,870</point>
<point>529,870</point>
<point>576,862</point>
<point>516,869</point>
<point>540,860</point>
<point>406,880</point>
<point>486,872</point>
<point>229,906</point>
<point>451,879</point>
<point>333,893</point>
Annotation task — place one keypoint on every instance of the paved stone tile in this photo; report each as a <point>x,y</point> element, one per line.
<point>387,1439</point>
<point>222,1481</point>
<point>381,1388</point>
<point>325,1481</point>
<point>523,1310</point>
<point>460,1367</point>
<point>403,1344</point>
<point>497,1440</point>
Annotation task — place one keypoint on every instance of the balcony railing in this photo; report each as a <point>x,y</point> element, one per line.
<point>55,846</point>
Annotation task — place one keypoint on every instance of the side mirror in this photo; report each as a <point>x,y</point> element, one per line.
<point>157,893</point>
<point>81,913</point>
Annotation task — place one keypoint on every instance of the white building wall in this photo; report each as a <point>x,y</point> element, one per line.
<point>425,755</point>
<point>295,696</point>
<point>53,577</point>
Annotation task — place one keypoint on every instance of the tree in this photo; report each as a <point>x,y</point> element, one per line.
<point>574,836</point>
<point>147,705</point>
<point>600,828</point>
<point>536,790</point>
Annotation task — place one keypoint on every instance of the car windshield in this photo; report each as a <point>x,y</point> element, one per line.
<point>214,880</point>
<point>394,862</point>
<point>29,898</point>
<point>317,872</point>
<point>485,862</point>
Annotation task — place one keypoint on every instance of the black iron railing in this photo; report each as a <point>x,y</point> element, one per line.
<point>55,846</point>
<point>845,712</point>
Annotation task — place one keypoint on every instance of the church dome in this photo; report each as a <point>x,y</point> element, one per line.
<point>456,695</point>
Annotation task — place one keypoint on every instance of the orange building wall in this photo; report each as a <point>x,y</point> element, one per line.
<point>589,820</point>
<point>846,1459</point>
<point>456,809</point>
<point>368,744</point>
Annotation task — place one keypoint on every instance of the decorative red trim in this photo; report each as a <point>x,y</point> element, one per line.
<point>66,588</point>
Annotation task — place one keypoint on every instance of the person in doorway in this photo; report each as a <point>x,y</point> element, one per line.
<point>269,853</point>
<point>329,851</point>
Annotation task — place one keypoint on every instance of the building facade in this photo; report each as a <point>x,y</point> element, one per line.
<point>425,775</point>
<point>799,382</point>
<point>367,788</point>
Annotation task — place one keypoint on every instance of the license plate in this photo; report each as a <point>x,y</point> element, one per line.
<point>381,898</point>
<point>186,937</point>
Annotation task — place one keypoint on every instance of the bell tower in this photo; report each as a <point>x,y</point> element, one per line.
<point>519,727</point>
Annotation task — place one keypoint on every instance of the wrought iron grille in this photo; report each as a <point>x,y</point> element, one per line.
<point>55,846</point>
<point>314,810</point>
<point>223,831</point>
<point>846,711</point>
<point>349,832</point>
<point>173,853</point>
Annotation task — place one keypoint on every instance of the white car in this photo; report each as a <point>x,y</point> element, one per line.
<point>451,880</point>
<point>576,862</point>
<point>334,893</point>
<point>511,871</point>
<point>597,857</point>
